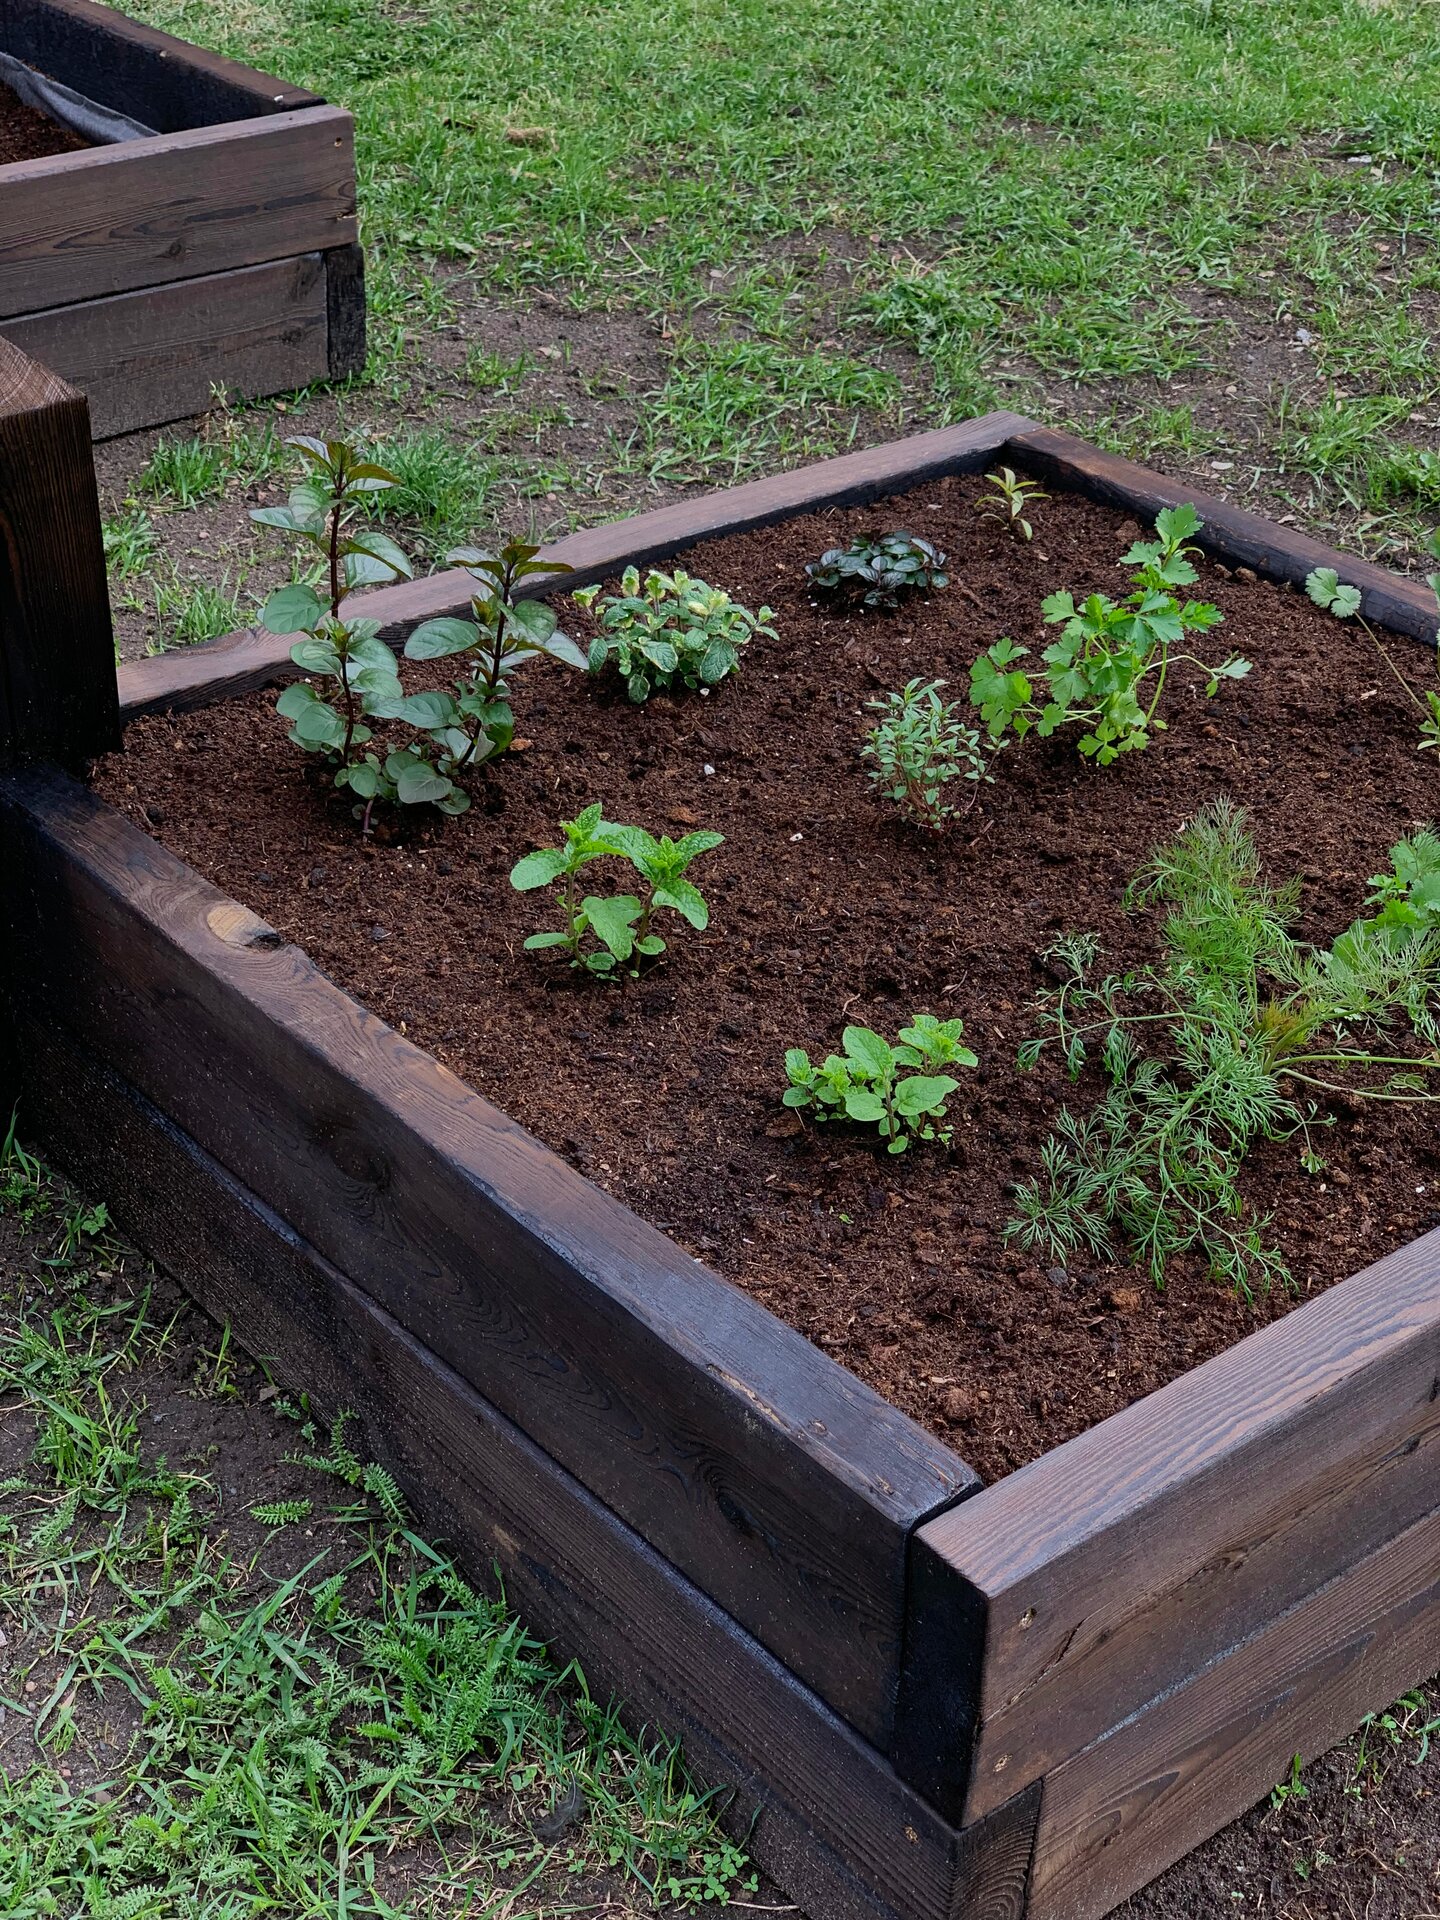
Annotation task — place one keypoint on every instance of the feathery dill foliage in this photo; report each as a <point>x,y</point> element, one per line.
<point>359,1736</point>
<point>1224,1042</point>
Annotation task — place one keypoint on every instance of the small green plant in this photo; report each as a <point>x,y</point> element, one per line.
<point>189,612</point>
<point>917,747</point>
<point>130,542</point>
<point>1224,1042</point>
<point>1336,596</point>
<point>440,488</point>
<point>185,471</point>
<point>671,628</point>
<point>1010,501</point>
<point>475,723</point>
<point>282,1513</point>
<point>604,934</point>
<point>321,512</point>
<point>1107,670</point>
<point>894,1088</point>
<point>879,570</point>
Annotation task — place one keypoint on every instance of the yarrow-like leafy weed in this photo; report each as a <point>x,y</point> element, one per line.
<point>1011,501</point>
<point>878,570</point>
<point>893,1088</point>
<point>1107,670</point>
<point>608,934</point>
<point>321,513</point>
<point>672,628</point>
<point>475,723</point>
<point>917,747</point>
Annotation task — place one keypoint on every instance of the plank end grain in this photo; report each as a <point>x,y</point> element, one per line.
<point>58,697</point>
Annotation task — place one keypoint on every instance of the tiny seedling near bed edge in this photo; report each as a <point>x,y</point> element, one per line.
<point>1328,590</point>
<point>1011,501</point>
<point>893,1088</point>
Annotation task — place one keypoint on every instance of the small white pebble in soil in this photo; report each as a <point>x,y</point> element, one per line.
<point>800,836</point>
<point>708,768</point>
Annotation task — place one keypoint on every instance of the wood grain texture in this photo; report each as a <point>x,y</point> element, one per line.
<point>1230,533</point>
<point>344,311</point>
<point>239,661</point>
<point>158,80</point>
<point>1108,1571</point>
<point>156,355</point>
<point>1124,1810</point>
<point>835,1826</point>
<point>77,226</point>
<point>57,650</point>
<point>760,1468</point>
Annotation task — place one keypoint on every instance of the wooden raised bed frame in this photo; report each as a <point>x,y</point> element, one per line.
<point>949,1702</point>
<point>220,253</point>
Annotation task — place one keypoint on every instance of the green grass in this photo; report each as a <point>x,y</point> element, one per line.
<point>1024,196</point>
<point>442,489</point>
<point>189,611</point>
<point>325,1720</point>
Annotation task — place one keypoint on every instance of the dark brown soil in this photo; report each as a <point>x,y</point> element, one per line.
<point>26,134</point>
<point>826,909</point>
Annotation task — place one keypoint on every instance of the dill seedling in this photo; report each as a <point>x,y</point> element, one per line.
<point>1243,1027</point>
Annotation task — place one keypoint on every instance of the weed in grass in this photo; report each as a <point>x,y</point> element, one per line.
<point>184,472</point>
<point>1226,1041</point>
<point>190,611</point>
<point>439,488</point>
<point>130,542</point>
<point>489,372</point>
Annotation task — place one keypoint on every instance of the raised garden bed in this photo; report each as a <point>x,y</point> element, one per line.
<point>208,244</point>
<point>950,1699</point>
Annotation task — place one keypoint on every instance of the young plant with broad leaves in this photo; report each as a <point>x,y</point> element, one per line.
<point>321,514</point>
<point>878,570</point>
<point>609,934</point>
<point>918,747</point>
<point>474,723</point>
<point>1228,1039</point>
<point>670,629</point>
<point>897,1089</point>
<point>1328,590</point>
<point>1108,669</point>
<point>1010,500</point>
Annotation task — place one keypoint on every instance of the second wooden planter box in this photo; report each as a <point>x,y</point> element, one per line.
<point>217,252</point>
<point>948,1701</point>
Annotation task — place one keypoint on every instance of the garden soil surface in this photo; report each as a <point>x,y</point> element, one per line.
<point>826,910</point>
<point>28,135</point>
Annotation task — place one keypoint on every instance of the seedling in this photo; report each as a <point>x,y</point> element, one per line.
<point>1107,670</point>
<point>475,723</point>
<point>321,512</point>
<point>1336,596</point>
<point>879,570</point>
<point>1241,1023</point>
<point>1011,501</point>
<point>892,1088</point>
<point>673,628</point>
<point>918,747</point>
<point>607,935</point>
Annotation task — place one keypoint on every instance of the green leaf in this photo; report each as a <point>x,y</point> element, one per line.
<point>924,1093</point>
<point>430,709</point>
<point>866,1048</point>
<point>539,940</point>
<point>292,609</point>
<point>535,619</point>
<point>612,921</point>
<point>538,869</point>
<point>862,1104</point>
<point>685,900</point>
<point>297,698</point>
<point>374,545</point>
<point>561,647</point>
<point>418,784</point>
<point>438,639</point>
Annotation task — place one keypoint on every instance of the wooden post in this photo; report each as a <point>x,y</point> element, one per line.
<point>58,698</point>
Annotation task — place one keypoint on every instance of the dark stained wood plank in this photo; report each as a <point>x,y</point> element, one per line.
<point>345,311</point>
<point>761,1469</point>
<point>1121,1812</point>
<point>147,357</point>
<point>158,80</point>
<point>239,661</point>
<point>1244,539</point>
<point>835,1826</point>
<point>1108,1571</point>
<point>77,226</point>
<point>57,651</point>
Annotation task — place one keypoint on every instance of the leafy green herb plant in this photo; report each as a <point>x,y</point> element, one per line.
<point>1224,1042</point>
<point>878,570</point>
<point>1010,501</point>
<point>475,723</point>
<point>1108,669</point>
<point>919,746</point>
<point>321,513</point>
<point>896,1089</point>
<point>670,628</point>
<point>610,934</point>
<point>1336,596</point>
